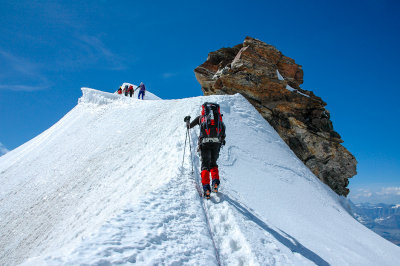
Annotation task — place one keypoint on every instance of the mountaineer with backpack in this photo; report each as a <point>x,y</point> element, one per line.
<point>126,90</point>
<point>142,90</point>
<point>130,89</point>
<point>119,91</point>
<point>211,138</point>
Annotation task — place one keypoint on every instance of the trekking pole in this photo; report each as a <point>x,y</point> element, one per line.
<point>190,147</point>
<point>184,149</point>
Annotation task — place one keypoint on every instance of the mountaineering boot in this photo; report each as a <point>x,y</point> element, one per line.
<point>215,178</point>
<point>215,185</point>
<point>207,191</point>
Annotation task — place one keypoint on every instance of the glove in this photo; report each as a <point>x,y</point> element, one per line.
<point>186,119</point>
<point>223,142</point>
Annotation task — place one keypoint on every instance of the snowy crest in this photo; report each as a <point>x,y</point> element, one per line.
<point>100,97</point>
<point>97,97</point>
<point>110,183</point>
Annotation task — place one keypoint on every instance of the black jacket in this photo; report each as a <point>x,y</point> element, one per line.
<point>195,122</point>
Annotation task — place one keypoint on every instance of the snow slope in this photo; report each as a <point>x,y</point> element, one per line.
<point>104,185</point>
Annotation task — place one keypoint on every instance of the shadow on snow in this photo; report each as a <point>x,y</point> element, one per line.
<point>287,240</point>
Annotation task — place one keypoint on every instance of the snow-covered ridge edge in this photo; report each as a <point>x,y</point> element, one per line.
<point>97,97</point>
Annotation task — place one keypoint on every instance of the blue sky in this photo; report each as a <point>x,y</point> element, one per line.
<point>348,50</point>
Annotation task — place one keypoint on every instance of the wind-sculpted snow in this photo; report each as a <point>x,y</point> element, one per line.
<point>105,186</point>
<point>100,97</point>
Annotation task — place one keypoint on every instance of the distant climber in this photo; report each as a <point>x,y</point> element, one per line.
<point>142,90</point>
<point>126,90</point>
<point>130,90</point>
<point>211,138</point>
<point>119,91</point>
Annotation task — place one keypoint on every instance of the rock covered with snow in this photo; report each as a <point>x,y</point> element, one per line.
<point>271,82</point>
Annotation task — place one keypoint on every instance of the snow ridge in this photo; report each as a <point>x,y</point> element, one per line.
<point>97,97</point>
<point>91,96</point>
<point>104,185</point>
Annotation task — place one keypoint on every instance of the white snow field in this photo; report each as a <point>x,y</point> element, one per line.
<point>105,186</point>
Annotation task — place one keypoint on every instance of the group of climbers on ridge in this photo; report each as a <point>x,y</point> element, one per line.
<point>129,90</point>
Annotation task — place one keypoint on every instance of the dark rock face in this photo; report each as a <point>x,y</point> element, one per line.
<point>271,82</point>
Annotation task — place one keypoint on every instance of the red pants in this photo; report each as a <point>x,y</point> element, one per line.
<point>205,175</point>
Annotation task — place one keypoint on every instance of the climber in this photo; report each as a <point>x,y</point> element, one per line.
<point>130,89</point>
<point>119,91</point>
<point>211,138</point>
<point>142,90</point>
<point>126,90</point>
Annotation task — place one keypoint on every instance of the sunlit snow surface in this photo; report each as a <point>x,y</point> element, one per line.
<point>105,186</point>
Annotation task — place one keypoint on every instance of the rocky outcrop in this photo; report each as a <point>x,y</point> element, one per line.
<point>271,82</point>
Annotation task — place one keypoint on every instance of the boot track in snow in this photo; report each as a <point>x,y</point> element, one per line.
<point>219,220</point>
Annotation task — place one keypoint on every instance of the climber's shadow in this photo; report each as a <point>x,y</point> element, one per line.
<point>286,239</point>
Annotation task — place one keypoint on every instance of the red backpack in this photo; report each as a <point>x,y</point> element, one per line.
<point>212,128</point>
